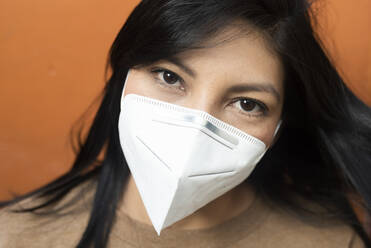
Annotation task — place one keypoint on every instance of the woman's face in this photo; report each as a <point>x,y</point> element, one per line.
<point>239,82</point>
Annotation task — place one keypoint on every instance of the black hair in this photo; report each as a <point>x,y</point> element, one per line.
<point>322,154</point>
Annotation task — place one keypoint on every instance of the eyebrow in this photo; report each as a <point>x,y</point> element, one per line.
<point>178,62</point>
<point>260,87</point>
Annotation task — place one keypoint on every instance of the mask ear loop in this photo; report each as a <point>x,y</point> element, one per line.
<point>274,135</point>
<point>277,128</point>
<point>126,79</point>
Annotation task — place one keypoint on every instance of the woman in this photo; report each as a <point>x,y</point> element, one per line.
<point>223,124</point>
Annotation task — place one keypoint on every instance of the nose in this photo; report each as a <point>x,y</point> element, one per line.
<point>203,101</point>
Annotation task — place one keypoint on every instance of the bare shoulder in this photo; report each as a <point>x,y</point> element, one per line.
<point>61,227</point>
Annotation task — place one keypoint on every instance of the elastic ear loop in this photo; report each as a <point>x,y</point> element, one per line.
<point>275,132</point>
<point>126,79</point>
<point>277,128</point>
<point>274,135</point>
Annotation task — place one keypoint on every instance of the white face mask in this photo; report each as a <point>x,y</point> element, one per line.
<point>182,158</point>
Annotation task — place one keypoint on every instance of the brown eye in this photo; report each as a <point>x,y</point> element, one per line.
<point>170,78</point>
<point>248,105</point>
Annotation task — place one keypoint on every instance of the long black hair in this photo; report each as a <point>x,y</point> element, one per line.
<point>322,154</point>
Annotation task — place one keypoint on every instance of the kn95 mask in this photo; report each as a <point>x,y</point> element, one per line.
<point>182,158</point>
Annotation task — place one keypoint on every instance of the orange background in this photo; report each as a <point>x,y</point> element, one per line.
<point>52,62</point>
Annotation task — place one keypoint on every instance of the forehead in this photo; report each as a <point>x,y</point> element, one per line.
<point>237,56</point>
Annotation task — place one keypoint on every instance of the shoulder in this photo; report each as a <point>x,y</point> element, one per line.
<point>62,227</point>
<point>287,229</point>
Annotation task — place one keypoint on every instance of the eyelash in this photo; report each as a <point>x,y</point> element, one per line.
<point>161,81</point>
<point>263,108</point>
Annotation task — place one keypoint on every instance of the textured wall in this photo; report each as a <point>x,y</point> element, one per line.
<point>52,63</point>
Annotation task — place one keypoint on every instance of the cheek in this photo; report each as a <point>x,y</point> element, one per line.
<point>260,128</point>
<point>139,83</point>
<point>134,84</point>
<point>264,132</point>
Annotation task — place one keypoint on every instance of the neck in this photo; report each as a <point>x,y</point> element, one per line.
<point>227,206</point>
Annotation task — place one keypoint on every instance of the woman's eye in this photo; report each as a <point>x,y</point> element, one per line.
<point>167,76</point>
<point>250,107</point>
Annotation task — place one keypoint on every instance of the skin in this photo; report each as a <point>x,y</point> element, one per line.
<point>245,60</point>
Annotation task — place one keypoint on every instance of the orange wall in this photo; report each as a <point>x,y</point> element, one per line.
<point>347,32</point>
<point>52,63</point>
